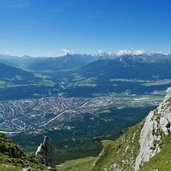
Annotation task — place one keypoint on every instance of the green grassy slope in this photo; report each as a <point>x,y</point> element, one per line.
<point>83,164</point>
<point>116,155</point>
<point>12,158</point>
<point>120,154</point>
<point>162,160</point>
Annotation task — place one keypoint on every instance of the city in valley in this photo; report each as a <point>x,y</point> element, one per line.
<point>36,114</point>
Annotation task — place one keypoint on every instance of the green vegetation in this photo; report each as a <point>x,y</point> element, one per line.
<point>86,132</point>
<point>83,164</point>
<point>12,158</point>
<point>162,160</point>
<point>120,154</point>
<point>85,85</point>
<point>105,143</point>
<point>101,112</point>
<point>5,129</point>
<point>83,76</point>
<point>9,168</point>
<point>128,80</point>
<point>2,83</point>
<point>76,83</point>
<point>79,81</point>
<point>157,82</point>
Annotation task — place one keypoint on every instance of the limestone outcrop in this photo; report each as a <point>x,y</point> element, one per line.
<point>157,125</point>
<point>46,152</point>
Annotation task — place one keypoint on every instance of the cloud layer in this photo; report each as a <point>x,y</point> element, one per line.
<point>130,52</point>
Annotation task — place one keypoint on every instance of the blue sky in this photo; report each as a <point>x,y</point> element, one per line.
<point>44,27</point>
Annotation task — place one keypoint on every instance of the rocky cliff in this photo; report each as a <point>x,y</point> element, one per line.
<point>46,153</point>
<point>144,147</point>
<point>156,127</point>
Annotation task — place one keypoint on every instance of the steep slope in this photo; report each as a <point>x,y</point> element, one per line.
<point>12,158</point>
<point>161,161</point>
<point>144,147</point>
<point>12,74</point>
<point>16,83</point>
<point>120,155</point>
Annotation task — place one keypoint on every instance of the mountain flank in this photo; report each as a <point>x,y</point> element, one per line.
<point>8,73</point>
<point>145,147</point>
<point>13,158</point>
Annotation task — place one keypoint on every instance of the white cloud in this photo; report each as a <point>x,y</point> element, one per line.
<point>50,54</point>
<point>66,51</point>
<point>130,52</point>
<point>160,52</point>
<point>102,53</point>
<point>12,53</point>
<point>138,52</point>
<point>99,52</point>
<point>123,52</point>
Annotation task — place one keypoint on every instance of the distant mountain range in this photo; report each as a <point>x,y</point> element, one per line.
<point>71,61</point>
<point>84,75</point>
<point>129,68</point>
<point>125,73</point>
<point>66,62</point>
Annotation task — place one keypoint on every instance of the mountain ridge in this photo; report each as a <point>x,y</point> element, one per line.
<point>13,74</point>
<point>136,149</point>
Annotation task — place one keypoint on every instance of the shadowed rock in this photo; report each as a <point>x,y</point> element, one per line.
<point>46,152</point>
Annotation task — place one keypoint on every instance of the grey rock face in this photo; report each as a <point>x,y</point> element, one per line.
<point>157,124</point>
<point>46,152</point>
